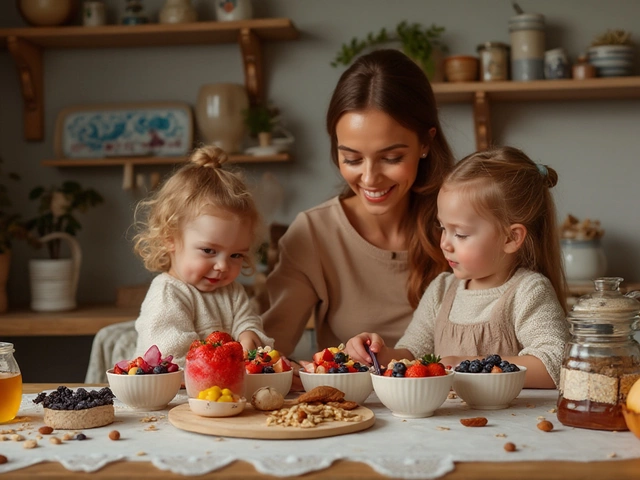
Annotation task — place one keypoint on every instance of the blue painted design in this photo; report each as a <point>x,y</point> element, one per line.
<point>152,131</point>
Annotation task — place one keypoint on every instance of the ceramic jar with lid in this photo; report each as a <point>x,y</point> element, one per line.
<point>10,383</point>
<point>494,61</point>
<point>583,260</point>
<point>602,359</point>
<point>556,64</point>
<point>527,37</point>
<point>582,68</point>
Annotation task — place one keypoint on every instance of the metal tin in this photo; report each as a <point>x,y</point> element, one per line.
<point>494,60</point>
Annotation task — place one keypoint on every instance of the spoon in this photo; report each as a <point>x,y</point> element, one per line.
<point>376,365</point>
<point>517,8</point>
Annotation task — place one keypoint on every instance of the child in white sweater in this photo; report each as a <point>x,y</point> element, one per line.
<point>201,229</point>
<point>506,294</point>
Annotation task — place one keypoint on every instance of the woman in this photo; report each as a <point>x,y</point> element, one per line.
<point>361,261</point>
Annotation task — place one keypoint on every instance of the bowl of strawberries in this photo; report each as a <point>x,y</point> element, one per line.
<point>413,388</point>
<point>146,383</point>
<point>216,361</point>
<point>333,367</point>
<point>266,367</point>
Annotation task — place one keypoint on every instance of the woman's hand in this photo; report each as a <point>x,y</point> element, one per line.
<point>355,347</point>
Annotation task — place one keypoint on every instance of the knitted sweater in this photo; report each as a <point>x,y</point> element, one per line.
<point>537,317</point>
<point>327,268</point>
<point>174,314</point>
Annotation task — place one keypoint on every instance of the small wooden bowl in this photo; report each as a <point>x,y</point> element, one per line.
<point>633,420</point>
<point>461,68</point>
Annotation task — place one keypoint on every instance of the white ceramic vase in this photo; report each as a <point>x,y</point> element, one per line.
<point>230,10</point>
<point>54,283</point>
<point>584,260</point>
<point>219,116</point>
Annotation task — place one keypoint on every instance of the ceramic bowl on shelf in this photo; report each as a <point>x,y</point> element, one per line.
<point>413,397</point>
<point>489,391</point>
<point>461,68</point>
<point>612,60</point>
<point>145,392</point>
<point>207,408</point>
<point>281,381</point>
<point>356,386</point>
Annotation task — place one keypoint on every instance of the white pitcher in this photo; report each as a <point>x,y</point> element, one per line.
<point>54,282</point>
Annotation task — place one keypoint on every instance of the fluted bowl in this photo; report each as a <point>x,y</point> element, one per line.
<point>489,391</point>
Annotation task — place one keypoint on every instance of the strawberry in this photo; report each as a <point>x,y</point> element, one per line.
<point>388,372</point>
<point>324,355</point>
<point>253,367</point>
<point>219,337</point>
<point>433,365</point>
<point>417,370</point>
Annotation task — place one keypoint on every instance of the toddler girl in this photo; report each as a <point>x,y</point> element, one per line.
<point>506,294</point>
<point>200,231</point>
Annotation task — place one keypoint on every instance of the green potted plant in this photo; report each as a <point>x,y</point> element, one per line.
<point>260,120</point>
<point>423,45</point>
<point>612,53</point>
<point>54,281</point>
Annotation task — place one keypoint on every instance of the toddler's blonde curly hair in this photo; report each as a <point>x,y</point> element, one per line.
<point>199,187</point>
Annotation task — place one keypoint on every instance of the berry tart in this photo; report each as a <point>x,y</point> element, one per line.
<point>65,409</point>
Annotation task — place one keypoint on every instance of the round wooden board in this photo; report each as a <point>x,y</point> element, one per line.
<point>252,423</point>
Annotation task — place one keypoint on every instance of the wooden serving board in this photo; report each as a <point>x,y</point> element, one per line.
<point>252,423</point>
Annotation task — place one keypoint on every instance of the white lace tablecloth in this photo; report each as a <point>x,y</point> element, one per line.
<point>417,448</point>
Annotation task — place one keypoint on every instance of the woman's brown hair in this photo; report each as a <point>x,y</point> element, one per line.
<point>199,187</point>
<point>389,81</point>
<point>505,186</point>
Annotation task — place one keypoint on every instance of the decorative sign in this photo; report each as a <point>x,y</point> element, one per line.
<point>124,130</point>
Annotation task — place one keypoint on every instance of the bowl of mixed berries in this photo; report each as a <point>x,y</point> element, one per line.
<point>413,388</point>
<point>490,383</point>
<point>266,367</point>
<point>333,367</point>
<point>146,383</point>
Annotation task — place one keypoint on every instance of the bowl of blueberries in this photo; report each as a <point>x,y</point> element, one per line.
<point>490,383</point>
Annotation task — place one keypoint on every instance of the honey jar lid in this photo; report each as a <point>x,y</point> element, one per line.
<point>607,299</point>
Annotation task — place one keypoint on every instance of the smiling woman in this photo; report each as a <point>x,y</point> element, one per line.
<point>363,259</point>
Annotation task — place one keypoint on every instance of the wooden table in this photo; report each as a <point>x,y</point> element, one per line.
<point>551,470</point>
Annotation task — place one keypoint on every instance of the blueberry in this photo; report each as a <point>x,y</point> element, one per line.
<point>356,365</point>
<point>475,367</point>
<point>160,369</point>
<point>363,368</point>
<point>139,371</point>
<point>399,367</point>
<point>81,436</point>
<point>463,368</point>
<point>343,369</point>
<point>511,368</point>
<point>487,368</point>
<point>494,359</point>
<point>397,374</point>
<point>268,369</point>
<point>340,357</point>
<point>503,364</point>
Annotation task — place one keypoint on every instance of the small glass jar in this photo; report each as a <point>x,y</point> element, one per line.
<point>10,383</point>
<point>602,359</point>
<point>494,61</point>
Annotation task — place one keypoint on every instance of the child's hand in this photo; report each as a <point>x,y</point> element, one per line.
<point>355,347</point>
<point>249,340</point>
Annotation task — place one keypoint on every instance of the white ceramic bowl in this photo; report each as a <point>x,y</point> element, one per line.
<point>206,408</point>
<point>412,397</point>
<point>356,386</point>
<point>489,391</point>
<point>145,392</point>
<point>281,381</point>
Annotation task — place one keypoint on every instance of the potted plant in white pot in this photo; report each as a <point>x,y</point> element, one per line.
<point>260,120</point>
<point>9,228</point>
<point>612,53</point>
<point>54,281</point>
<point>423,45</point>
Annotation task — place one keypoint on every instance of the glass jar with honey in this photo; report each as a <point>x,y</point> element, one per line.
<point>10,383</point>
<point>602,359</point>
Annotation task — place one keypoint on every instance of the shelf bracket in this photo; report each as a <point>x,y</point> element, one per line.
<point>252,58</point>
<point>482,120</point>
<point>28,58</point>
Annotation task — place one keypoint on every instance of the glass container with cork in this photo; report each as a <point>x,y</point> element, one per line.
<point>602,359</point>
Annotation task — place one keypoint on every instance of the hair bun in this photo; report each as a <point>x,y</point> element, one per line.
<point>209,156</point>
<point>551,177</point>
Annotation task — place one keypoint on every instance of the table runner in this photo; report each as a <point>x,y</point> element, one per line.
<point>403,448</point>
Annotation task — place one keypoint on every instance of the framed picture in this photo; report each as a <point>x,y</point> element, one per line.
<point>162,129</point>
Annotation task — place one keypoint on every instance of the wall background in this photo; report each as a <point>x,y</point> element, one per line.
<point>593,145</point>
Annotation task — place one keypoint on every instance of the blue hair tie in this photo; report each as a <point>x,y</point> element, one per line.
<point>542,169</point>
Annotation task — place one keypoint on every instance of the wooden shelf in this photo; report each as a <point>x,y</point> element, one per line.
<point>85,320</point>
<point>482,94</point>
<point>26,46</point>
<point>123,161</point>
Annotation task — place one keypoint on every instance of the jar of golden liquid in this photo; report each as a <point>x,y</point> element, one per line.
<point>10,383</point>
